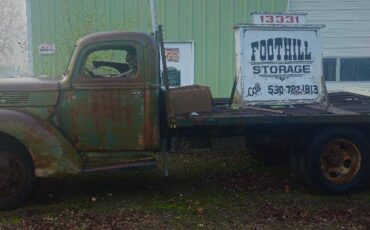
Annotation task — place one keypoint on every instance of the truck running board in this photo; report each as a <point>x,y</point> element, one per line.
<point>148,165</point>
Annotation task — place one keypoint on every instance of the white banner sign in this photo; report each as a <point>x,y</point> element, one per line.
<point>279,65</point>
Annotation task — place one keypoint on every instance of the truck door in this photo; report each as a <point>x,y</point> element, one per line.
<point>106,102</point>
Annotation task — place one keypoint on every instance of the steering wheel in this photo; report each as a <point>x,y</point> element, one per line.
<point>92,74</point>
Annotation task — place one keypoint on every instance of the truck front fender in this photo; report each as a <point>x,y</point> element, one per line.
<point>52,154</point>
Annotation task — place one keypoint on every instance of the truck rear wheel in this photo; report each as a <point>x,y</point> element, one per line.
<point>337,161</point>
<point>17,178</point>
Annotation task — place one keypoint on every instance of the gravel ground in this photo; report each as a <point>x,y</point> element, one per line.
<point>204,191</point>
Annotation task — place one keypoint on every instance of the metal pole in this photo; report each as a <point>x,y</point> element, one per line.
<point>158,33</point>
<point>153,11</point>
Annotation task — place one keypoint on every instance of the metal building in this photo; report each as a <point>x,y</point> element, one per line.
<point>198,33</point>
<point>345,40</point>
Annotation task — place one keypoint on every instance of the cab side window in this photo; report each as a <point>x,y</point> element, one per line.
<point>111,62</point>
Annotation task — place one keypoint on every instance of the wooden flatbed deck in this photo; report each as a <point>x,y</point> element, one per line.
<point>344,108</point>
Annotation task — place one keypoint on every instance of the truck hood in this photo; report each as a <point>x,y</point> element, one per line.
<point>28,91</point>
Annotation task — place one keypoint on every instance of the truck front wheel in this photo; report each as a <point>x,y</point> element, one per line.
<point>17,178</point>
<point>337,161</point>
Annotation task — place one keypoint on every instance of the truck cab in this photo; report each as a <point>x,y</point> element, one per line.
<point>109,95</point>
<point>103,115</point>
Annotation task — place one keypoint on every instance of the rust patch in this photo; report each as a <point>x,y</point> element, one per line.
<point>108,117</point>
<point>51,153</point>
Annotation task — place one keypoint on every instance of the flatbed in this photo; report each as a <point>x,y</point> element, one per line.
<point>344,108</point>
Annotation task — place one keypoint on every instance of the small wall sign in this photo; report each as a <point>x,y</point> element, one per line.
<point>47,48</point>
<point>172,54</point>
<point>279,18</point>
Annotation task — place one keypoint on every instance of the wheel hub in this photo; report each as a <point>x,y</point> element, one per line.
<point>334,159</point>
<point>340,161</point>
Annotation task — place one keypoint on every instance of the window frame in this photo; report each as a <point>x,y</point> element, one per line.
<point>342,59</point>
<point>335,71</point>
<point>338,68</point>
<point>78,74</point>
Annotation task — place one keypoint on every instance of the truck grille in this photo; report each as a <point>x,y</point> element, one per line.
<point>13,98</point>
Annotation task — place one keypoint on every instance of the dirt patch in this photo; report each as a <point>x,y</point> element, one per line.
<point>247,181</point>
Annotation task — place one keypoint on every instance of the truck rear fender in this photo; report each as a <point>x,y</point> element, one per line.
<point>52,154</point>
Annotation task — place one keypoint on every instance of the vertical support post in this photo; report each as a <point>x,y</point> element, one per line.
<point>153,11</point>
<point>170,114</point>
<point>163,58</point>
<point>325,91</point>
<point>158,32</point>
<point>337,69</point>
<point>164,155</point>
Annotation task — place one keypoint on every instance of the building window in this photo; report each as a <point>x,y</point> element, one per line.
<point>329,68</point>
<point>355,69</point>
<point>346,69</point>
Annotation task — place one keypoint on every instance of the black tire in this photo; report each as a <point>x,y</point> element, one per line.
<point>17,178</point>
<point>337,161</point>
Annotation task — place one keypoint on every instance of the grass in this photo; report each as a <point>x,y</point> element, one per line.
<point>203,191</point>
<point>12,220</point>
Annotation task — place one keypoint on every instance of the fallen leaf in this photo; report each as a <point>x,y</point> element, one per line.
<point>200,211</point>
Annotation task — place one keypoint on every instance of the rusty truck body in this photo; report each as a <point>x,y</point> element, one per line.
<point>109,112</point>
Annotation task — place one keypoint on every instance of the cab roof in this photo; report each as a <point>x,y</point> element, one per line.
<point>115,36</point>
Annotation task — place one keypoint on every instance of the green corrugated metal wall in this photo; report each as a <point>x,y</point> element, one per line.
<point>207,22</point>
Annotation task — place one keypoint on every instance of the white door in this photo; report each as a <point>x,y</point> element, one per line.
<point>347,31</point>
<point>180,63</point>
<point>345,40</point>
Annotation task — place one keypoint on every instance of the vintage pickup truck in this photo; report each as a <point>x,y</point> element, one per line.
<point>109,113</point>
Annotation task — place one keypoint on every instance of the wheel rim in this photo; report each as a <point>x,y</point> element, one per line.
<point>11,176</point>
<point>340,161</point>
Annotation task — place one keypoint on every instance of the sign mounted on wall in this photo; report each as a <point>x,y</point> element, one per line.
<point>47,48</point>
<point>180,63</point>
<point>278,64</point>
<point>172,54</point>
<point>279,18</point>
